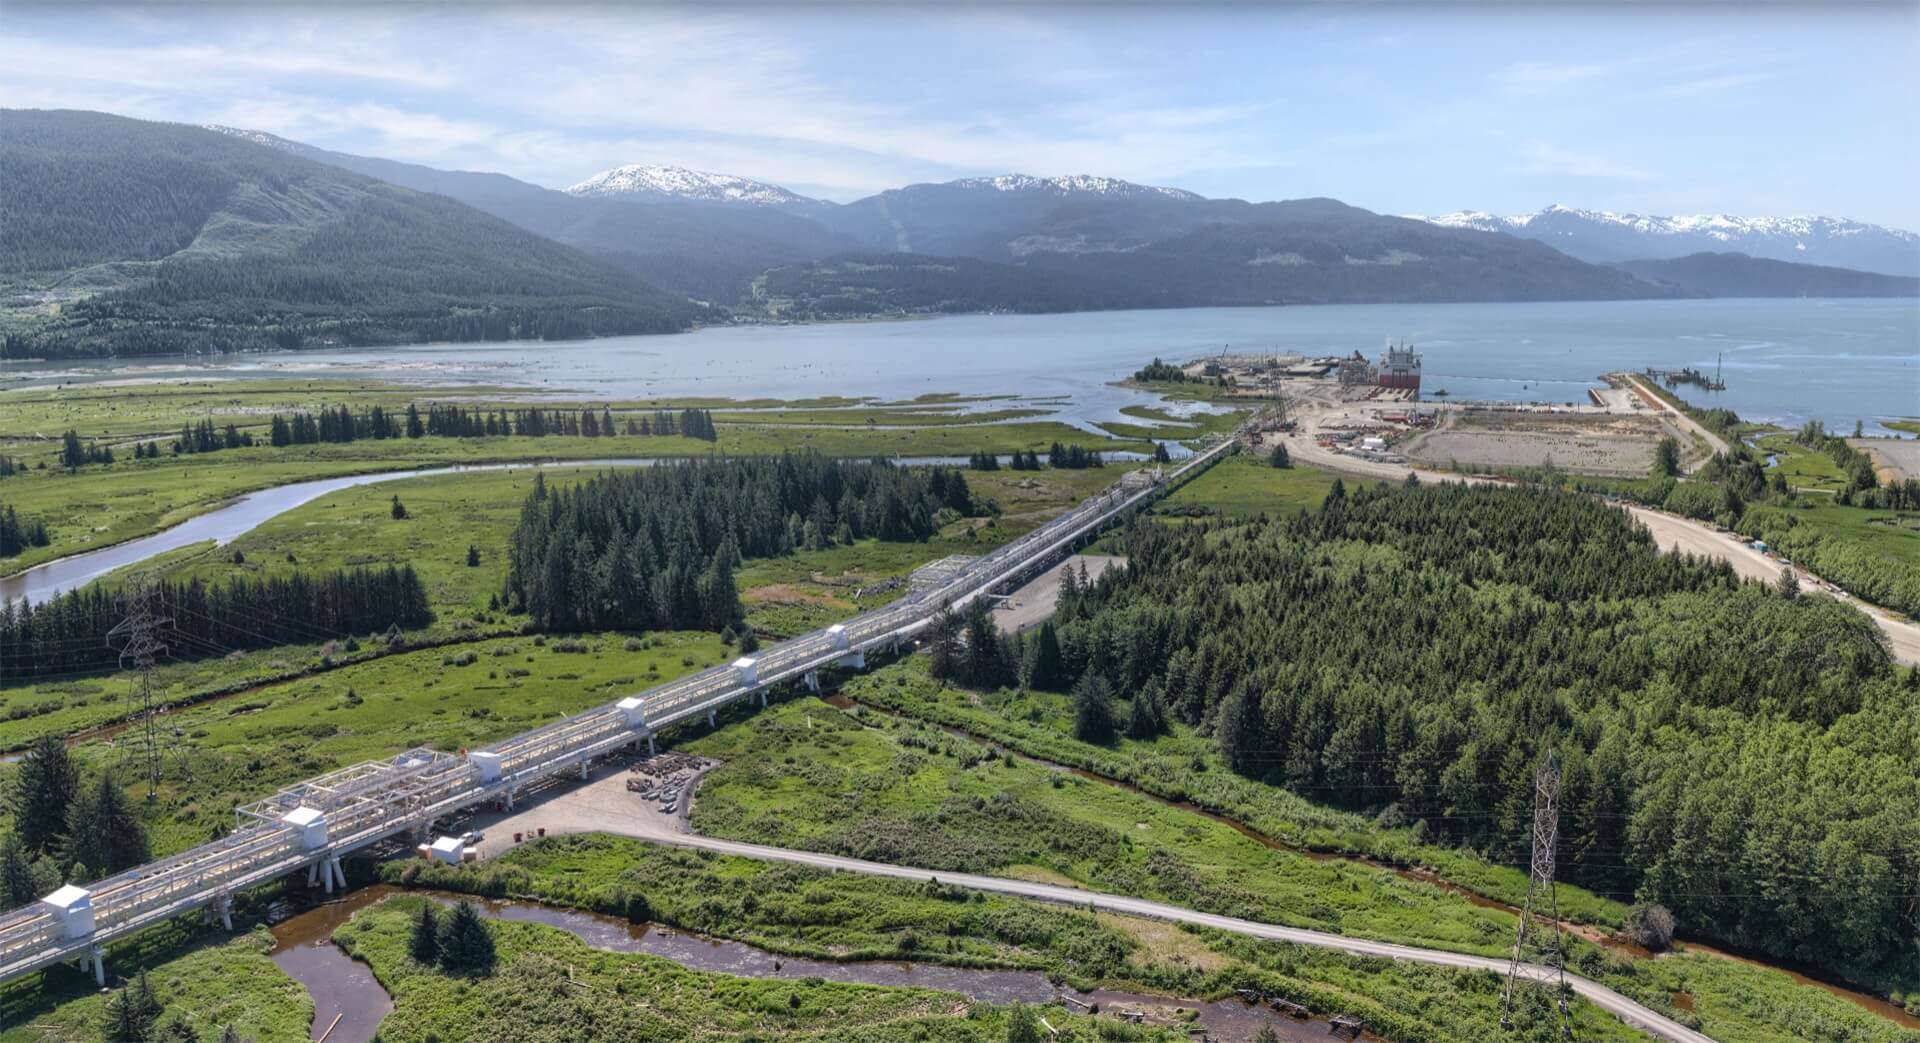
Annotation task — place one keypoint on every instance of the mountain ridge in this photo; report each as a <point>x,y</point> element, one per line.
<point>122,236</point>
<point>1606,236</point>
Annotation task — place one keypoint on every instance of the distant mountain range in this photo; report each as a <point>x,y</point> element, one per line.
<point>1601,236</point>
<point>118,236</point>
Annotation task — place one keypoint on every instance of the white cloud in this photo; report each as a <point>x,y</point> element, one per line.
<point>1542,158</point>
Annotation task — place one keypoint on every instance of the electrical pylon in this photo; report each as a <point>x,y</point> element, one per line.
<point>1536,947</point>
<point>137,638</point>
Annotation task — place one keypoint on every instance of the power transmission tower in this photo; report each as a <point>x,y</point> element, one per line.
<point>1537,945</point>
<point>137,638</point>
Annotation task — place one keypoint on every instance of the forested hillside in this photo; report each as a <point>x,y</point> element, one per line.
<point>879,284</point>
<point>155,237</point>
<point>1744,756</point>
<point>1737,275</point>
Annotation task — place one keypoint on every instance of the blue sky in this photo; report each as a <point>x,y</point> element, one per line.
<point>1400,109</point>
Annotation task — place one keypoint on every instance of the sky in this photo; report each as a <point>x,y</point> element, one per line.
<point>1771,109</point>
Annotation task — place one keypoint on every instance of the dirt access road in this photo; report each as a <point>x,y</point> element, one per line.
<point>603,805</point>
<point>1672,533</point>
<point>1658,405</point>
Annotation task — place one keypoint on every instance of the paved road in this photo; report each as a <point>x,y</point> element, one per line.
<point>1671,532</point>
<point>602,805</point>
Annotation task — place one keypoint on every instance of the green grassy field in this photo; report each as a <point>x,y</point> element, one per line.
<point>1807,470</point>
<point>805,775</point>
<point>1242,486</point>
<point>1182,766</point>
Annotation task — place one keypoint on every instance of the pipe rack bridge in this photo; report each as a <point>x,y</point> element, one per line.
<point>310,825</point>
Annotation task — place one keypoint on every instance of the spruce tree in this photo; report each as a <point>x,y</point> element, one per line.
<point>1147,716</point>
<point>465,943</point>
<point>1238,732</point>
<point>981,666</point>
<point>102,830</point>
<point>1043,669</point>
<point>19,883</point>
<point>177,1030</point>
<point>131,1013</point>
<point>1093,709</point>
<point>1279,456</point>
<point>43,789</point>
<point>399,510</point>
<point>424,945</point>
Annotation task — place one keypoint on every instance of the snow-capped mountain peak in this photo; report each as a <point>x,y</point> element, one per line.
<point>258,137</point>
<point>1073,184</point>
<point>1603,235</point>
<point>659,181</point>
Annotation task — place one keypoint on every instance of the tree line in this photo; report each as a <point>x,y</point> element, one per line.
<point>1743,756</point>
<point>68,633</point>
<point>656,547</point>
<point>18,534</point>
<point>339,424</point>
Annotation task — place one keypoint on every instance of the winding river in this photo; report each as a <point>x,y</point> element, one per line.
<point>349,1002</point>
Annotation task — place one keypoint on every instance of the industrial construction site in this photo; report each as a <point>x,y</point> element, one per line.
<point>1372,411</point>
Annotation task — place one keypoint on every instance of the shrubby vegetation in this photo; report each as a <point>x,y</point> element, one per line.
<point>68,633</point>
<point>1745,759</point>
<point>656,547</point>
<point>1162,372</point>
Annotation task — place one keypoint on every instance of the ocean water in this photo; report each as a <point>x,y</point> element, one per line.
<point>1784,361</point>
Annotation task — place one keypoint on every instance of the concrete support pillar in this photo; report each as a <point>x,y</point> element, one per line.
<point>713,720</point>
<point>509,798</point>
<point>812,681</point>
<point>326,875</point>
<point>339,874</point>
<point>313,873</point>
<point>649,744</point>
<point>99,966</point>
<point>224,906</point>
<point>583,769</point>
<point>763,698</point>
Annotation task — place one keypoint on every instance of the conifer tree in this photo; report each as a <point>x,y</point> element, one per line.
<point>44,787</point>
<point>1043,666</point>
<point>1093,709</point>
<point>131,1013</point>
<point>465,943</point>
<point>102,830</point>
<point>424,944</point>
